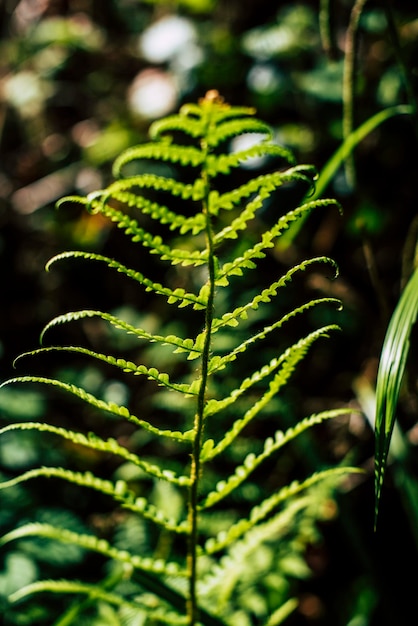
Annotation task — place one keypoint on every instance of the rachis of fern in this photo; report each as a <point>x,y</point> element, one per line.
<point>176,198</point>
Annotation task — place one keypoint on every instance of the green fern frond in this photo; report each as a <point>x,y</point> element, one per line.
<point>187,215</point>
<point>261,511</point>
<point>221,362</point>
<point>155,210</point>
<point>161,151</point>
<point>231,318</point>
<point>256,252</point>
<point>232,128</point>
<point>221,581</point>
<point>180,345</point>
<point>176,123</point>
<point>179,296</point>
<point>193,122</point>
<point>271,446</point>
<point>154,243</point>
<point>265,184</point>
<point>118,491</point>
<point>97,593</point>
<point>287,363</point>
<point>91,542</point>
<point>161,378</point>
<point>223,163</point>
<point>110,407</point>
<point>177,189</point>
<point>220,112</point>
<point>110,446</point>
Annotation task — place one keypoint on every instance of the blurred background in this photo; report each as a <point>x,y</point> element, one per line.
<point>82,80</point>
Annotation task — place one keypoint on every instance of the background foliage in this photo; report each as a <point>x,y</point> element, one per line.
<point>82,80</point>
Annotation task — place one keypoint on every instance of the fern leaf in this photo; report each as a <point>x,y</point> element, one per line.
<point>157,211</point>
<point>83,200</point>
<point>161,151</point>
<point>118,491</point>
<point>151,373</point>
<point>186,191</point>
<point>97,593</point>
<point>110,407</point>
<point>110,446</point>
<point>261,511</point>
<point>223,163</point>
<point>154,243</point>
<point>220,112</point>
<point>231,356</point>
<point>175,123</point>
<point>148,572</point>
<point>232,128</point>
<point>231,318</point>
<point>222,579</point>
<point>256,252</point>
<point>271,446</point>
<point>180,345</point>
<point>287,363</point>
<point>192,121</point>
<point>177,296</point>
<point>91,542</point>
<point>265,184</point>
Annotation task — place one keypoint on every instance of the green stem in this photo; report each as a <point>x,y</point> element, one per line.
<point>192,609</point>
<point>348,81</point>
<point>325,29</point>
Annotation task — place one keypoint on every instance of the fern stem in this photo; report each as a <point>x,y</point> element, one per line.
<point>349,80</point>
<point>325,29</point>
<point>199,417</point>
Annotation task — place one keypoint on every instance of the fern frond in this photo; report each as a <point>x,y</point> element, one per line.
<point>118,491</point>
<point>225,574</point>
<point>231,318</point>
<point>110,446</point>
<point>157,211</point>
<point>216,363</point>
<point>232,128</point>
<point>220,112</point>
<point>175,123</point>
<point>177,189</point>
<point>196,155</point>
<point>180,345</point>
<point>265,184</point>
<point>161,378</point>
<point>97,593</point>
<point>191,121</point>
<point>287,363</point>
<point>93,543</point>
<point>110,407</point>
<point>271,445</point>
<point>261,511</point>
<point>161,151</point>
<point>154,243</point>
<point>223,163</point>
<point>173,296</point>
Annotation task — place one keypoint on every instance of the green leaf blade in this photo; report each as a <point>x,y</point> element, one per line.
<point>390,374</point>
